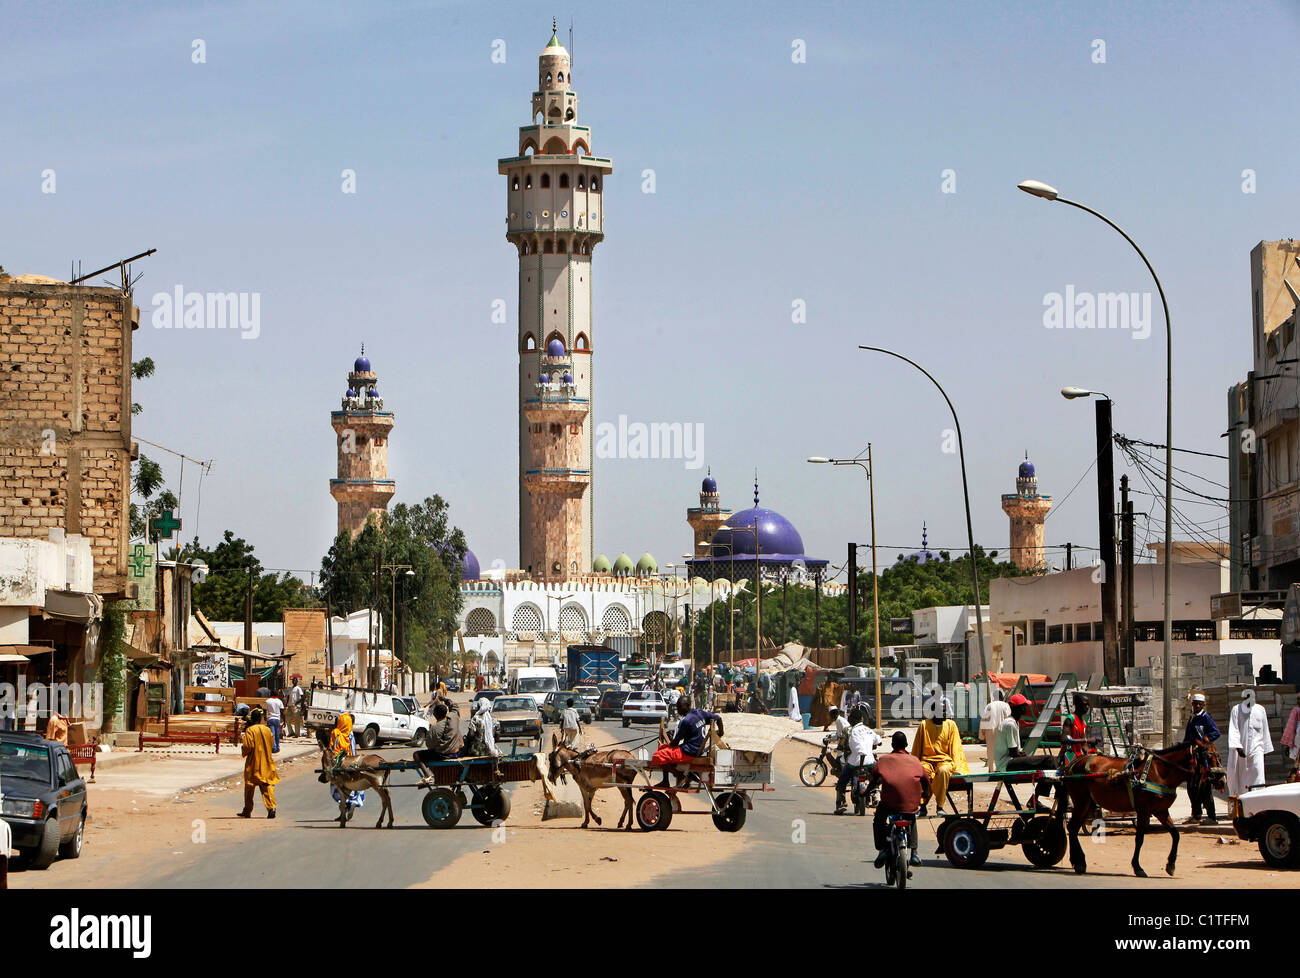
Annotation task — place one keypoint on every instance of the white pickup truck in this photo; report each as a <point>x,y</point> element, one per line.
<point>1271,817</point>
<point>377,717</point>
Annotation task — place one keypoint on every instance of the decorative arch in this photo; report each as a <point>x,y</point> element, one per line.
<point>616,619</point>
<point>562,247</point>
<point>549,247</point>
<point>573,618</point>
<point>529,147</point>
<point>514,182</point>
<point>581,343</point>
<point>595,183</point>
<point>582,183</point>
<point>564,181</point>
<point>568,114</point>
<point>480,621</point>
<point>546,181</point>
<point>556,335</point>
<point>527,618</point>
<point>530,343</point>
<point>555,147</point>
<point>581,143</point>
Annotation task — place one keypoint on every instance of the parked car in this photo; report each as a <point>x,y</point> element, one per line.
<point>518,717</point>
<point>377,717</point>
<point>590,695</point>
<point>555,703</point>
<point>1271,817</point>
<point>43,800</point>
<point>611,704</point>
<point>644,706</point>
<point>453,685</point>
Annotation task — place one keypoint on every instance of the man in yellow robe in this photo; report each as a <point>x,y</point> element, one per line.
<point>938,748</point>
<point>259,766</point>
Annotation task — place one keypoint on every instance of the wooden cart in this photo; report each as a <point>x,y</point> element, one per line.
<point>967,838</point>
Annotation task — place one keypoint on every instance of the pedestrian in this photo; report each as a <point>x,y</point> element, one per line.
<point>263,691</point>
<point>1201,729</point>
<point>938,748</point>
<point>343,744</point>
<point>991,719</point>
<point>570,725</point>
<point>486,724</point>
<point>297,702</point>
<point>274,712</point>
<point>1289,740</point>
<point>1248,741</point>
<point>795,713</point>
<point>259,766</point>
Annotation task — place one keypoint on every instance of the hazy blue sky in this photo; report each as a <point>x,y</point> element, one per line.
<point>776,182</point>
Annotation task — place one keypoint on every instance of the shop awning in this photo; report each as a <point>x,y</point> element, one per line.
<point>78,606</point>
<point>18,654</point>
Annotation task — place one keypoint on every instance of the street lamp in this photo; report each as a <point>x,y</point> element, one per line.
<point>868,468</point>
<point>970,532</point>
<point>1039,189</point>
<point>392,570</point>
<point>549,599</point>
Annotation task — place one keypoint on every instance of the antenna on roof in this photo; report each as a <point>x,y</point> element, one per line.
<point>570,47</point>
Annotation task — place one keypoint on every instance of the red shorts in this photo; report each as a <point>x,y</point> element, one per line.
<point>667,756</point>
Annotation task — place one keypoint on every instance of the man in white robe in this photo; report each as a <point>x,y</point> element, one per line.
<point>990,723</point>
<point>1248,742</point>
<point>795,713</point>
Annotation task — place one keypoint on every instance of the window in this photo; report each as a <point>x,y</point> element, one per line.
<point>480,621</point>
<point>581,342</point>
<point>563,248</point>
<point>546,181</point>
<point>528,182</point>
<point>564,181</point>
<point>560,77</point>
<point>1037,632</point>
<point>400,709</point>
<point>527,618</point>
<point>1055,634</point>
<point>595,184</point>
<point>568,115</point>
<point>549,248</point>
<point>514,184</point>
<point>548,78</point>
<point>581,185</point>
<point>530,342</point>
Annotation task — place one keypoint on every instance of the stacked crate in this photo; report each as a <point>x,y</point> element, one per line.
<point>1190,672</point>
<point>1277,702</point>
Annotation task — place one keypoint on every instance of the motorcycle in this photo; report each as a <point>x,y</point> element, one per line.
<point>896,871</point>
<point>814,771</point>
<point>864,795</point>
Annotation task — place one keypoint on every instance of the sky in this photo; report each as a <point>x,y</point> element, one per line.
<point>857,162</point>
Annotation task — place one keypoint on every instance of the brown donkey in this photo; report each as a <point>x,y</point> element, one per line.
<point>1144,786</point>
<point>592,770</point>
<point>357,774</point>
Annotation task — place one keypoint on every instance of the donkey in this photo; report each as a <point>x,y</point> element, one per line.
<point>357,774</point>
<point>1144,786</point>
<point>592,770</point>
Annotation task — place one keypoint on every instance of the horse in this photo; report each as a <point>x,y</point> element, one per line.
<point>592,770</point>
<point>1143,784</point>
<point>357,774</point>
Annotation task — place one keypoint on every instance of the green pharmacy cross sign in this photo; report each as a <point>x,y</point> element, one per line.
<point>140,560</point>
<point>165,525</point>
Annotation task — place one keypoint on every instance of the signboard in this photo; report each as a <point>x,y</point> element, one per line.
<point>900,626</point>
<point>1225,606</point>
<point>213,671</point>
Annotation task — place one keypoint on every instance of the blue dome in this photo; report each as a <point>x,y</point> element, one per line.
<point>568,378</point>
<point>709,484</point>
<point>372,392</point>
<point>544,378</point>
<point>555,348</point>
<point>469,569</point>
<point>361,365</point>
<point>1026,469</point>
<point>351,393</point>
<point>776,535</point>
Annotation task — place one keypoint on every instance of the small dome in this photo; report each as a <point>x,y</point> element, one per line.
<point>372,392</point>
<point>469,569</point>
<point>351,393</point>
<point>567,378</point>
<point>709,484</point>
<point>1027,469</point>
<point>647,565</point>
<point>601,565</point>
<point>361,365</point>
<point>555,348</point>
<point>623,565</point>
<point>544,379</point>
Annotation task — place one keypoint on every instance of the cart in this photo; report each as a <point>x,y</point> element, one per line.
<point>967,838</point>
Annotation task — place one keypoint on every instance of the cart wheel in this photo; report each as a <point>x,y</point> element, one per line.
<point>730,814</point>
<point>1045,842</point>
<point>812,772</point>
<point>654,811</point>
<point>441,808</point>
<point>966,844</point>
<point>495,807</point>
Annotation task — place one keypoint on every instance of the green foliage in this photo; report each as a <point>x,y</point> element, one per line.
<point>112,659</point>
<point>904,587</point>
<point>422,537</point>
<point>231,564</point>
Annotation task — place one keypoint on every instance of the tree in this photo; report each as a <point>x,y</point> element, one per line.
<point>418,535</point>
<point>231,564</point>
<point>147,478</point>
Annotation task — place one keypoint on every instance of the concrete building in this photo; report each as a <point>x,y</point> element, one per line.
<point>555,219</point>
<point>1027,510</point>
<point>1052,623</point>
<point>361,428</point>
<point>65,418</point>
<point>1264,431</point>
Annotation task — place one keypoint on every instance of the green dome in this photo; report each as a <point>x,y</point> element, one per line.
<point>601,565</point>
<point>623,565</point>
<point>647,565</point>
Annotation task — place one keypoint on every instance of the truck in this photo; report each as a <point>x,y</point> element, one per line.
<point>377,717</point>
<point>534,681</point>
<point>590,665</point>
<point>675,672</point>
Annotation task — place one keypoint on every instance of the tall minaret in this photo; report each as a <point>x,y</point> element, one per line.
<point>554,218</point>
<point>706,519</point>
<point>1028,511</point>
<point>362,428</point>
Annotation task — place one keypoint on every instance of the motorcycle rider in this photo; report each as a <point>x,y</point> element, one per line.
<point>861,744</point>
<point>902,779</point>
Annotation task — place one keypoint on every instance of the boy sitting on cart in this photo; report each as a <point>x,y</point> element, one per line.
<point>444,739</point>
<point>687,742</point>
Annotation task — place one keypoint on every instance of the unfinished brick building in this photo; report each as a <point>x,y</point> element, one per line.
<point>65,418</point>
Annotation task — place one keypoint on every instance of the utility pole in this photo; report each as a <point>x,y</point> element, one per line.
<point>817,605</point>
<point>1127,651</point>
<point>1106,532</point>
<point>1069,556</point>
<point>853,599</point>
